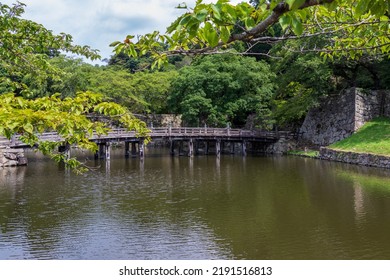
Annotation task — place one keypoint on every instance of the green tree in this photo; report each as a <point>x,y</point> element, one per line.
<point>142,92</point>
<point>24,49</point>
<point>222,89</point>
<point>353,27</point>
<point>26,46</point>
<point>154,88</point>
<point>73,77</point>
<point>302,79</point>
<point>344,29</point>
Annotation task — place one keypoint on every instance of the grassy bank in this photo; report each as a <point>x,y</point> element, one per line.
<point>307,153</point>
<point>373,137</point>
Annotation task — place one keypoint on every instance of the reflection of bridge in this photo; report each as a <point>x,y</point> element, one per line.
<point>194,139</point>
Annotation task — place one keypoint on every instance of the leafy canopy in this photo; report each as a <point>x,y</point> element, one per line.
<point>25,49</point>
<point>68,117</point>
<point>221,89</point>
<point>353,27</point>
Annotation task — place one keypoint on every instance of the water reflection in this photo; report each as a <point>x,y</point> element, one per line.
<point>203,207</point>
<point>359,203</point>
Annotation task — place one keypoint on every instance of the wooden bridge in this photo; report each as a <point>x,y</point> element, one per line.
<point>177,137</point>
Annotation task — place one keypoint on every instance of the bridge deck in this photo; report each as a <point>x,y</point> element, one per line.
<point>182,133</point>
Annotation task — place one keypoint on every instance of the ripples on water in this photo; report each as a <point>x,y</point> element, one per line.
<point>195,208</point>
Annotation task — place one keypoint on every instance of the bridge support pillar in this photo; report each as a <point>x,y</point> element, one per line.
<point>190,148</point>
<point>196,148</point>
<point>243,148</point>
<point>222,147</point>
<point>172,147</point>
<point>218,147</point>
<point>133,149</point>
<point>65,150</point>
<point>107,150</point>
<point>127,149</point>
<point>141,148</point>
<point>100,153</point>
<point>181,147</point>
<point>104,151</point>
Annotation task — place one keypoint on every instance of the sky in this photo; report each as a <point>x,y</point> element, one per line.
<point>97,23</point>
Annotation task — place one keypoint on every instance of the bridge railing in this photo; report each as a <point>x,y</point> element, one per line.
<point>201,131</point>
<point>165,132</point>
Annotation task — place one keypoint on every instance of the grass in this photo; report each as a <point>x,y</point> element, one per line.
<point>308,153</point>
<point>373,138</point>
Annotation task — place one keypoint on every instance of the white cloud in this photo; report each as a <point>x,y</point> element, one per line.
<point>97,23</point>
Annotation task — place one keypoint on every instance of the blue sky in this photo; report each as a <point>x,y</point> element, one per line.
<point>97,23</point>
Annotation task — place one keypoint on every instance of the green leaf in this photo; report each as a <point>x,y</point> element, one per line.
<point>231,12</point>
<point>114,44</point>
<point>249,22</point>
<point>378,8</point>
<point>28,127</point>
<point>210,34</point>
<point>361,7</point>
<point>174,25</point>
<point>285,21</point>
<point>201,15</point>
<point>216,11</point>
<point>297,26</point>
<point>185,19</point>
<point>225,34</point>
<point>132,51</point>
<point>295,4</point>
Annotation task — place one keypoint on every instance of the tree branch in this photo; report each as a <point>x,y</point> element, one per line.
<point>277,12</point>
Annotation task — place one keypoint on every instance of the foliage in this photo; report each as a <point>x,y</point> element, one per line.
<point>307,153</point>
<point>154,88</point>
<point>301,79</point>
<point>26,46</point>
<point>222,89</point>
<point>140,92</point>
<point>73,77</point>
<point>130,63</point>
<point>352,27</point>
<point>373,137</point>
<point>118,86</point>
<point>68,117</point>
<point>26,71</point>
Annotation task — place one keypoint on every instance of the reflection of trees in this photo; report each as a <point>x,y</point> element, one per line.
<point>255,208</point>
<point>359,202</point>
<point>268,208</point>
<point>352,216</point>
<point>11,182</point>
<point>35,209</point>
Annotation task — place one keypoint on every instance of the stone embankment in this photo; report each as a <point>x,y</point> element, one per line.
<point>12,157</point>
<point>338,117</point>
<point>355,158</point>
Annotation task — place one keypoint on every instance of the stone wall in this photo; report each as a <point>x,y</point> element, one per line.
<point>12,157</point>
<point>162,120</point>
<point>339,116</point>
<point>368,105</point>
<point>280,147</point>
<point>355,158</point>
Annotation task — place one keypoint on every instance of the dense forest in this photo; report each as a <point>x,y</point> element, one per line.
<point>271,78</point>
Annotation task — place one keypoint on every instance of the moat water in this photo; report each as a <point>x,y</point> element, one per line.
<point>203,207</point>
